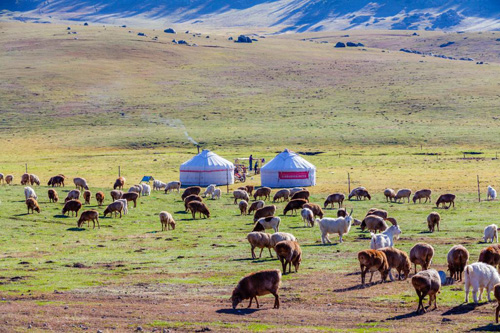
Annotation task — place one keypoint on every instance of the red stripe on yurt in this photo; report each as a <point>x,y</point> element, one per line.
<point>294,175</point>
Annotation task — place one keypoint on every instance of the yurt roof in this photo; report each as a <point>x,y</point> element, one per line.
<point>206,160</point>
<point>288,160</point>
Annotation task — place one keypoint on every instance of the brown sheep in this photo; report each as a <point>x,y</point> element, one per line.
<point>99,196</point>
<point>421,254</point>
<point>433,221</point>
<point>359,192</point>
<point>34,180</point>
<point>258,284</point>
<point>167,221</point>
<point>379,212</point>
<point>373,260</point>
<point>457,260</point>
<point>243,205</point>
<point>86,196</point>
<point>262,192</point>
<point>421,194</point>
<point>264,212</point>
<point>496,293</point>
<point>390,194</point>
<point>402,194</point>
<point>490,255</point>
<point>119,183</point>
<point>2,179</point>
<point>293,205</point>
<point>399,260</point>
<point>334,198</point>
<point>373,223</point>
<point>189,198</point>
<point>72,206</point>
<point>89,215</point>
<point>282,194</point>
<point>198,207</point>
<point>25,179</point>
<point>341,212</point>
<point>301,195</point>
<point>56,181</point>
<point>53,197</point>
<point>446,198</point>
<point>190,190</point>
<point>114,207</point>
<point>116,194</point>
<point>256,205</point>
<point>289,253</point>
<point>316,209</point>
<point>131,196</point>
<point>426,283</point>
<point>261,240</point>
<point>32,204</point>
<point>9,179</point>
<point>248,188</point>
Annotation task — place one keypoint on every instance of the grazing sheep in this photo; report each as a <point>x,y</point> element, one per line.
<point>457,260</point>
<point>373,260</point>
<point>289,253</point>
<point>480,276</point>
<point>137,188</point>
<point>192,197</point>
<point>25,179</point>
<point>2,178</point>
<point>490,232</point>
<point>433,221</point>
<point>496,293</point>
<point>34,180</point>
<point>125,205</point>
<point>80,183</point>
<point>247,188</point>
<point>240,195</point>
<point>209,191</point>
<point>340,225</point>
<point>262,192</point>
<point>421,194</point>
<point>176,185</point>
<point>281,194</point>
<point>270,222</point>
<point>426,283</point>
<point>53,197</point>
<point>359,192</point>
<point>56,181</point>
<point>89,215</point>
<point>256,205</point>
<point>73,205</point>
<point>32,204</point>
<point>316,209</point>
<point>198,207</point>
<point>399,260</point>
<point>115,207</point>
<point>146,190</point>
<point>373,223</point>
<point>72,195</point>
<point>87,195</point>
<point>99,196</point>
<point>260,240</point>
<point>281,236</point>
<point>385,239</point>
<point>421,254</point>
<point>217,194</point>
<point>264,212</point>
<point>334,198</point>
<point>116,194</point>
<point>30,193</point>
<point>119,183</point>
<point>295,190</point>
<point>293,205</point>
<point>301,195</point>
<point>243,205</point>
<point>389,194</point>
<point>167,221</point>
<point>490,255</point>
<point>341,212</point>
<point>307,217</point>
<point>492,193</point>
<point>378,212</point>
<point>132,196</point>
<point>402,194</point>
<point>9,179</point>
<point>258,284</point>
<point>190,190</point>
<point>446,198</point>
<point>158,185</point>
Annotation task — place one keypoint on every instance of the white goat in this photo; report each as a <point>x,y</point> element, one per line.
<point>146,190</point>
<point>30,193</point>
<point>340,225</point>
<point>385,239</point>
<point>490,232</point>
<point>480,275</point>
<point>209,191</point>
<point>216,194</point>
<point>492,193</point>
<point>307,217</point>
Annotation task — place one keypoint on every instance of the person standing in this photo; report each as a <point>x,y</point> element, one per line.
<point>250,159</point>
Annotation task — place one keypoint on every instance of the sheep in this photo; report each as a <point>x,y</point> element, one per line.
<point>240,195</point>
<point>146,190</point>
<point>125,205</point>
<point>243,205</point>
<point>373,223</point>
<point>73,205</point>
<point>34,180</point>
<point>446,198</point>
<point>99,196</point>
<point>2,178</point>
<point>256,205</point>
<point>402,194</point>
<point>53,197</point>
<point>480,276</point>
<point>32,204</point>
<point>209,191</point>
<point>307,217</point>
<point>9,179</point>
<point>176,185</point>
<point>334,198</point>
<point>293,205</point>
<point>289,253</point>
<point>56,181</point>
<point>373,260</point>
<point>389,194</point>
<point>248,188</point>
<point>264,212</point>
<point>316,209</point>
<point>282,194</point>
<point>262,192</point>
<point>281,236</point>
<point>87,195</point>
<point>341,212</point>
<point>421,254</point>
<point>378,212</point>
<point>192,197</point>
<point>492,193</point>
<point>340,225</point>
<point>258,284</point>
<point>25,179</point>
<point>301,195</point>
<point>295,190</point>
<point>158,185</point>
<point>496,293</point>
<point>490,255</point>
<point>73,194</point>
<point>490,233</point>
<point>137,188</point>
<point>167,221</point>
<point>359,192</point>
<point>80,183</point>
<point>433,221</point>
<point>115,207</point>
<point>116,194</point>
<point>426,283</point>
<point>198,207</point>
<point>385,239</point>
<point>457,260</point>
<point>217,194</point>
<point>89,215</point>
<point>269,222</point>
<point>30,193</point>
<point>261,240</point>
<point>131,197</point>
<point>190,190</point>
<point>119,183</point>
<point>420,194</point>
<point>399,260</point>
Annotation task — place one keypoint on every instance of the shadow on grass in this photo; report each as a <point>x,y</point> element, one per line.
<point>240,312</point>
<point>181,212</point>
<point>75,229</point>
<point>22,214</point>
<point>462,309</point>
<point>318,244</point>
<point>487,328</point>
<point>425,232</point>
<point>60,216</point>
<point>406,315</point>
<point>255,260</point>
<point>356,287</point>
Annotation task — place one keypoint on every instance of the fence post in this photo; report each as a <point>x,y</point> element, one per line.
<point>478,190</point>
<point>26,166</point>
<point>119,172</point>
<point>348,183</point>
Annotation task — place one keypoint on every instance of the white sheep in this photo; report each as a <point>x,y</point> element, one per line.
<point>240,195</point>
<point>158,185</point>
<point>260,240</point>
<point>492,193</point>
<point>80,183</point>
<point>125,205</point>
<point>167,221</point>
<point>270,222</point>
<point>307,217</point>
<point>281,236</point>
<point>146,190</point>
<point>135,189</point>
<point>30,193</point>
<point>171,186</point>
<point>490,232</point>
<point>340,225</point>
<point>217,194</point>
<point>209,191</point>
<point>480,275</point>
<point>385,239</point>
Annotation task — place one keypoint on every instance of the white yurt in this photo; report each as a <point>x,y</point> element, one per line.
<point>288,169</point>
<point>206,168</point>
